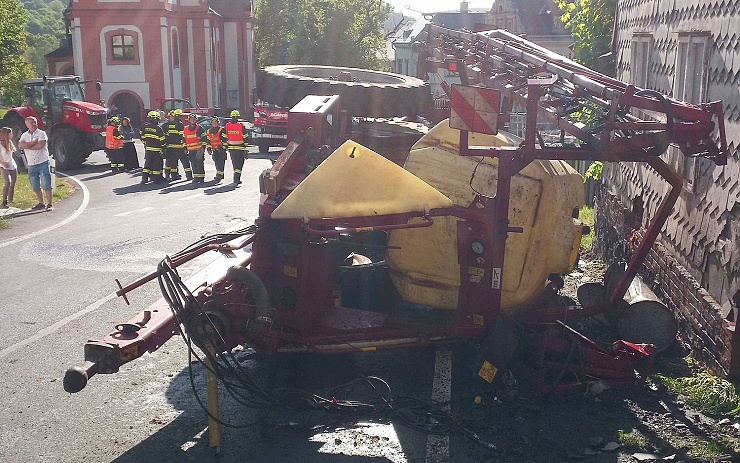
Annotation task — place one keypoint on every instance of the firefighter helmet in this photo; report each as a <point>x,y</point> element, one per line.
<point>215,119</point>
<point>153,115</point>
<point>114,119</point>
<point>177,112</point>
<point>235,113</point>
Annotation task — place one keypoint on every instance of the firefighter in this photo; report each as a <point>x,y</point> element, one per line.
<point>195,141</point>
<point>114,145</point>
<point>215,147</point>
<point>236,138</point>
<point>175,146</point>
<point>152,136</point>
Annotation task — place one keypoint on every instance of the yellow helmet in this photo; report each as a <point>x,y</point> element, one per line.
<point>235,113</point>
<point>177,112</point>
<point>153,115</point>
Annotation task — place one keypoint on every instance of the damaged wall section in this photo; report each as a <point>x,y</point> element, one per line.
<point>706,325</point>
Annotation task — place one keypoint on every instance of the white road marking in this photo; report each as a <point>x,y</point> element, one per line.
<point>51,329</point>
<point>83,206</point>
<point>438,446</point>
<point>192,282</point>
<point>143,209</point>
<point>188,198</point>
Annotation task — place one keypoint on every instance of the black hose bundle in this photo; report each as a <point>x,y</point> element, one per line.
<point>212,351</point>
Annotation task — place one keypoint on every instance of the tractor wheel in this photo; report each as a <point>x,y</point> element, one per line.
<point>363,92</point>
<point>67,150</point>
<point>18,126</point>
<point>264,148</point>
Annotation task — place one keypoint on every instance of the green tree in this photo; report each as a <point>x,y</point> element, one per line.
<point>45,29</point>
<point>14,67</point>
<point>328,32</point>
<point>591,23</point>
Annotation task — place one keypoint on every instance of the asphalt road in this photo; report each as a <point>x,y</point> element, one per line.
<point>57,272</point>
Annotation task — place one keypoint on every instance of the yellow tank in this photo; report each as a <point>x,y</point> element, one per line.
<point>424,263</point>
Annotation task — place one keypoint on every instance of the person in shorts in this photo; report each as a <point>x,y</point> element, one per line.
<point>8,167</point>
<point>34,143</point>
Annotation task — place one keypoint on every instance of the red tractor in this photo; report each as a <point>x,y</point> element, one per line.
<point>74,126</point>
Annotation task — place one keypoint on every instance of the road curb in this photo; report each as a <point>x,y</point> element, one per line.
<point>11,212</point>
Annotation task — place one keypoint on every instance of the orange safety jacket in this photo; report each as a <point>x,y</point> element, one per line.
<point>214,139</point>
<point>112,141</point>
<point>235,136</point>
<point>192,138</point>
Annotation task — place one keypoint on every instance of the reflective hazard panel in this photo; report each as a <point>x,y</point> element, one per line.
<point>474,109</point>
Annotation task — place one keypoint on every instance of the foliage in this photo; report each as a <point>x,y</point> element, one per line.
<point>594,171</point>
<point>708,393</point>
<point>586,215</point>
<point>45,30</point>
<point>632,439</point>
<point>590,22</point>
<point>326,32</point>
<point>14,67</point>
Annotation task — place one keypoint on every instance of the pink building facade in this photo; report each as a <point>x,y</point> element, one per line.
<point>143,51</point>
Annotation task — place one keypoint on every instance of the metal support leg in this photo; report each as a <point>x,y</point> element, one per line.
<point>214,428</point>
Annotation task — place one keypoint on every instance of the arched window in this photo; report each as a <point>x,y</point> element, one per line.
<point>175,50</point>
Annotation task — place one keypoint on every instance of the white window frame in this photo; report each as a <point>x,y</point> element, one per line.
<point>641,53</point>
<point>693,49</point>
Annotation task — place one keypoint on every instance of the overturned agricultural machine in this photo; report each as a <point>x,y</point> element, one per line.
<point>460,239</point>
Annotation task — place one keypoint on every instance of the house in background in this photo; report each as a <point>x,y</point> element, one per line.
<point>143,51</point>
<point>537,20</point>
<point>689,50</point>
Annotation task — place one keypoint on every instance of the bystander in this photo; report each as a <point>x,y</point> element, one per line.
<point>34,143</point>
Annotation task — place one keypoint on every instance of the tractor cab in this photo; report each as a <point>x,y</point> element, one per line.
<point>47,96</point>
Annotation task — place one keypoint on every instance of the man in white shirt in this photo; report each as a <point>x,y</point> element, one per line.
<point>34,144</point>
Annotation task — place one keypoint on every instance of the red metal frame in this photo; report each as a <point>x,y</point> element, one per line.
<point>294,258</point>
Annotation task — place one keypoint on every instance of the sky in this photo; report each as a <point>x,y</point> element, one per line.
<point>432,6</point>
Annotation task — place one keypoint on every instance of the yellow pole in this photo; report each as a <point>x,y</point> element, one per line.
<point>214,428</point>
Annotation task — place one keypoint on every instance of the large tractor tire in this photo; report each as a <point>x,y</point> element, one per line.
<point>67,150</point>
<point>363,92</point>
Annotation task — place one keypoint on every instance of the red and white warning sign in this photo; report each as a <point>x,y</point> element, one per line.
<point>474,109</point>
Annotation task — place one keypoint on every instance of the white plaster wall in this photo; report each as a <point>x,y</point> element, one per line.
<point>191,61</point>
<point>231,65</point>
<point>208,60</point>
<point>119,72</point>
<point>77,45</point>
<point>176,73</point>
<point>166,67</point>
<point>140,88</point>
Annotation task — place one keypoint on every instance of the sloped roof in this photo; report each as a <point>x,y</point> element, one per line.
<point>234,9</point>
<point>64,50</point>
<point>539,17</point>
<point>470,20</point>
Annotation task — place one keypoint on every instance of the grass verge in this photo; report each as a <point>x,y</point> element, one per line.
<point>707,393</point>
<point>25,197</point>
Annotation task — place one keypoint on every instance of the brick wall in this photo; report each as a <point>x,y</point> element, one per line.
<point>702,323</point>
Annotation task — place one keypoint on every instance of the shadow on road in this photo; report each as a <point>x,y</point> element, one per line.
<point>220,188</point>
<point>282,435</point>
